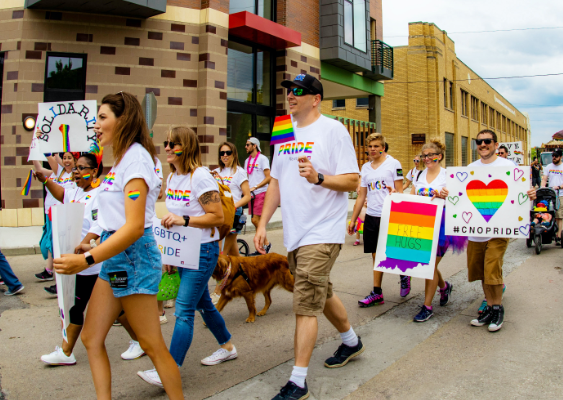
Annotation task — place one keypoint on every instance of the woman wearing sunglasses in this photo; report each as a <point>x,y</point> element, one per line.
<point>413,173</point>
<point>131,268</point>
<point>192,199</point>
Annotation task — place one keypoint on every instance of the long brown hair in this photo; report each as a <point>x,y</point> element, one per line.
<point>190,159</point>
<point>235,164</point>
<point>131,126</point>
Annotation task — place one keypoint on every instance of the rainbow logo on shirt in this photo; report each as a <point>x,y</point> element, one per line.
<point>487,199</point>
<point>87,198</point>
<point>179,195</point>
<point>224,179</point>
<point>157,170</point>
<point>109,178</point>
<point>296,148</point>
<point>66,139</point>
<point>252,166</point>
<point>134,194</point>
<point>555,171</point>
<point>425,192</point>
<point>377,185</point>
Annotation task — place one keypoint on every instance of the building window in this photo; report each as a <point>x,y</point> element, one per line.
<point>355,30</point>
<point>464,151</point>
<point>65,77</point>
<point>263,8</point>
<point>450,149</point>
<point>451,95</point>
<point>339,104</point>
<point>484,113</point>
<point>474,108</point>
<point>492,117</point>
<point>474,154</point>
<point>445,93</point>
<point>464,103</point>
<point>362,102</point>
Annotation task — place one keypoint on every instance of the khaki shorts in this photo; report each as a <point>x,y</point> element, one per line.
<point>559,213</point>
<point>485,259</point>
<point>311,265</point>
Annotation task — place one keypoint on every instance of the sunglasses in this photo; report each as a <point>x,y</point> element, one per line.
<point>416,160</point>
<point>81,168</point>
<point>171,144</point>
<point>481,141</point>
<point>225,153</point>
<point>555,156</point>
<point>249,144</point>
<point>298,92</point>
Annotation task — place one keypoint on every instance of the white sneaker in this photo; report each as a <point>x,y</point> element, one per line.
<point>169,303</point>
<point>220,356</point>
<point>215,298</point>
<point>163,319</point>
<point>151,376</point>
<point>134,351</point>
<point>58,357</point>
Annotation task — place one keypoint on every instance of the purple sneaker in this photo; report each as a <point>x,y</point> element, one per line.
<point>405,285</point>
<point>371,300</point>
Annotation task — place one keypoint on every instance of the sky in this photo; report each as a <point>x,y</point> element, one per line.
<point>516,53</point>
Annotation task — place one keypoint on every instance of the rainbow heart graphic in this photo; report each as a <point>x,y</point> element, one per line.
<point>487,199</point>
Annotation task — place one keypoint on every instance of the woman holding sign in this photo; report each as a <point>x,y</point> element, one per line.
<point>131,268</point>
<point>379,178</point>
<point>192,199</point>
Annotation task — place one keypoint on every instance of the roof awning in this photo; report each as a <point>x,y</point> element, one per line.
<point>262,31</point>
<point>127,8</point>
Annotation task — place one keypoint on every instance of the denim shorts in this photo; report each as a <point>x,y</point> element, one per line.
<point>137,270</point>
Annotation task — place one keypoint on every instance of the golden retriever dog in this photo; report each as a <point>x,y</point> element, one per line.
<point>249,276</point>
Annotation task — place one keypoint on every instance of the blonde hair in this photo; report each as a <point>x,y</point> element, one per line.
<point>190,159</point>
<point>376,137</point>
<point>437,146</point>
<point>235,164</point>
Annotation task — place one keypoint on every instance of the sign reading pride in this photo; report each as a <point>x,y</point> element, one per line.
<point>66,126</point>
<point>179,246</point>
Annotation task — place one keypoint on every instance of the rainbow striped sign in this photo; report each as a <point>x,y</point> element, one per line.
<point>27,184</point>
<point>282,131</point>
<point>66,139</point>
<point>487,199</point>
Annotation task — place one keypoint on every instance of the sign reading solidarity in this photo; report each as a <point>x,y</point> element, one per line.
<point>515,151</point>
<point>66,126</point>
<point>409,235</point>
<point>179,246</point>
<point>488,202</point>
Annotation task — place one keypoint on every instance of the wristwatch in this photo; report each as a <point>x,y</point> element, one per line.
<point>89,258</point>
<point>321,179</point>
<point>186,220</point>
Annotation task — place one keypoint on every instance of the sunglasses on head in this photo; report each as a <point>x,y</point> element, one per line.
<point>225,153</point>
<point>171,144</point>
<point>481,141</point>
<point>298,91</point>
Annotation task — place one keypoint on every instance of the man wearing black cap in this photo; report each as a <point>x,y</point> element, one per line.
<point>312,176</point>
<point>554,172</point>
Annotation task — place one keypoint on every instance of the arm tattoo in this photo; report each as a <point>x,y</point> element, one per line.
<point>209,197</point>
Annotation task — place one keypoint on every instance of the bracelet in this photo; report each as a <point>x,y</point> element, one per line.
<point>93,243</point>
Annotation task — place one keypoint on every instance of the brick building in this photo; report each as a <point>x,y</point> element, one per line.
<point>213,65</point>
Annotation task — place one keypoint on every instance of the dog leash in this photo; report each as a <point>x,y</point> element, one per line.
<point>224,281</point>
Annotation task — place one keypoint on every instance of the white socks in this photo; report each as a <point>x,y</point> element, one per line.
<point>349,338</point>
<point>298,376</point>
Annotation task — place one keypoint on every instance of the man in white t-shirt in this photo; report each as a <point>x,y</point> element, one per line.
<point>485,255</point>
<point>554,172</point>
<point>257,167</point>
<point>312,176</point>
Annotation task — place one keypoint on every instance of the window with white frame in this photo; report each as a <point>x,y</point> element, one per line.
<point>355,29</point>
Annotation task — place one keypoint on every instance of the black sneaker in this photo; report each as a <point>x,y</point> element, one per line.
<point>292,392</point>
<point>51,289</point>
<point>485,317</point>
<point>44,276</point>
<point>497,319</point>
<point>344,354</point>
<point>424,315</point>
<point>445,294</point>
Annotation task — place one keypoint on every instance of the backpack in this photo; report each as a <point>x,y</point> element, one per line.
<point>228,205</point>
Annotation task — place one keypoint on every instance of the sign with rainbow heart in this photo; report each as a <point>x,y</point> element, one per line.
<point>408,235</point>
<point>515,151</point>
<point>66,126</point>
<point>488,202</point>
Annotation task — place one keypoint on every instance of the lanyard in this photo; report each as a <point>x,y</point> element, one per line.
<point>248,169</point>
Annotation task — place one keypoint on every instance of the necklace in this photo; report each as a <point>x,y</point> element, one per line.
<point>250,163</point>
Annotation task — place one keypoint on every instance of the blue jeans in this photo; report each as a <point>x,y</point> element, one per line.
<point>194,295</point>
<point>8,276</point>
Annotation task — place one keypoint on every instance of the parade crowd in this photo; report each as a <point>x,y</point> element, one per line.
<point>118,264</point>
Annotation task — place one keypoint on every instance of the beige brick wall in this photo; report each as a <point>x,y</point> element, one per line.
<point>349,111</point>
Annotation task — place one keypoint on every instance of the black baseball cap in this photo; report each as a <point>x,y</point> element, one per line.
<point>557,152</point>
<point>306,81</point>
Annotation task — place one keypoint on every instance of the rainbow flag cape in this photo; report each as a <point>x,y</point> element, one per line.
<point>283,130</point>
<point>27,184</point>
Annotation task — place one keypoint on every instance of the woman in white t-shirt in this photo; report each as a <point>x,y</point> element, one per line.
<point>379,178</point>
<point>192,199</point>
<point>413,173</point>
<point>60,172</point>
<point>429,183</point>
<point>131,268</point>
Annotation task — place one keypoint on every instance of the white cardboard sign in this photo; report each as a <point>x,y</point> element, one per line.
<point>66,125</point>
<point>409,235</point>
<point>179,246</point>
<point>67,234</point>
<point>35,153</point>
<point>515,151</point>
<point>488,202</point>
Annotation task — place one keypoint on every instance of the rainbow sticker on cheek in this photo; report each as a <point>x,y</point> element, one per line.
<point>178,152</point>
<point>87,176</point>
<point>134,194</point>
<point>380,152</point>
<point>435,159</point>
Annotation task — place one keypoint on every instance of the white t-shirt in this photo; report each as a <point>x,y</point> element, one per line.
<point>183,193</point>
<point>423,188</point>
<point>499,162</point>
<point>257,175</point>
<point>65,181</point>
<point>312,214</point>
<point>555,175</point>
<point>412,174</point>
<point>233,181</point>
<point>135,164</point>
<point>89,224</point>
<point>378,182</point>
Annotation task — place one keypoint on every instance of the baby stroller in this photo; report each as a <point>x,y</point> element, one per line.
<point>545,229</point>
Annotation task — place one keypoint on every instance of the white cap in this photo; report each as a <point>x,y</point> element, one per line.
<point>255,141</point>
